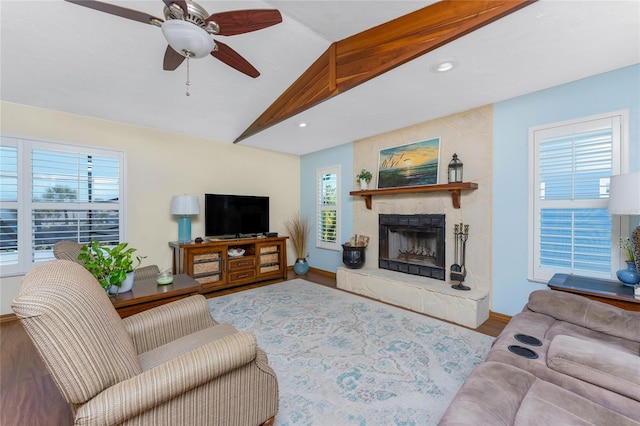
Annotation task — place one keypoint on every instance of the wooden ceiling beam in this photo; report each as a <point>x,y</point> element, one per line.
<point>366,55</point>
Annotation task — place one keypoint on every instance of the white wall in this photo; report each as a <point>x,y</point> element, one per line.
<point>159,165</point>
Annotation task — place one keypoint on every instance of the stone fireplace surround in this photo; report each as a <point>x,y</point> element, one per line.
<point>469,134</point>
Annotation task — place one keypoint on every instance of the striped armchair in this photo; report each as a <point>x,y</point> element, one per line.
<point>171,365</point>
<point>69,250</point>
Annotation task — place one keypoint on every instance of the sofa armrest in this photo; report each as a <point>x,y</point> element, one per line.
<point>596,363</point>
<point>155,327</point>
<point>160,384</point>
<point>586,313</point>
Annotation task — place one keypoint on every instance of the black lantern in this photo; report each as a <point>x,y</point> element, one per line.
<point>455,170</point>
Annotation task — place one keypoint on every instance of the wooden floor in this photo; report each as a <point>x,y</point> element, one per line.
<point>28,395</point>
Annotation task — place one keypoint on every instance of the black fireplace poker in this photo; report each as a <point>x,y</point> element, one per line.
<point>458,270</point>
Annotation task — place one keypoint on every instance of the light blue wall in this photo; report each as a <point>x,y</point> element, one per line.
<point>327,260</point>
<point>612,91</point>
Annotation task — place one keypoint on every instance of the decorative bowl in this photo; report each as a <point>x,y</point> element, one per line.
<point>235,252</point>
<point>165,277</point>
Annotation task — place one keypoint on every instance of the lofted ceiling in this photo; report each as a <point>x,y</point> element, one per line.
<point>61,56</point>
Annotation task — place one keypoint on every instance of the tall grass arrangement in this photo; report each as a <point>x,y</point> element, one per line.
<point>298,229</point>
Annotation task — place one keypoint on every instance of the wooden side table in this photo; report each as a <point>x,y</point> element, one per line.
<point>148,294</point>
<point>607,291</point>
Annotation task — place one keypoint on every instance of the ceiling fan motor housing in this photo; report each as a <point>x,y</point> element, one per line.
<point>196,15</point>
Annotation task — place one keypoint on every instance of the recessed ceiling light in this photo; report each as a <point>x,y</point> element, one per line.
<point>303,124</point>
<point>444,65</point>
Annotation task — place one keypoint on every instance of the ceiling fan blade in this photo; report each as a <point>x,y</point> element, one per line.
<point>172,59</point>
<point>244,21</point>
<point>123,12</point>
<point>234,60</point>
<point>181,3</point>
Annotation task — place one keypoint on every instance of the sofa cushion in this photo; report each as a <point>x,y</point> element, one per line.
<point>500,394</point>
<point>596,363</point>
<point>586,313</point>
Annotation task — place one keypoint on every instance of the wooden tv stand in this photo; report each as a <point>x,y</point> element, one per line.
<point>209,263</point>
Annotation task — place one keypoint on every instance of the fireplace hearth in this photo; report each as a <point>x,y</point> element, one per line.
<point>413,244</point>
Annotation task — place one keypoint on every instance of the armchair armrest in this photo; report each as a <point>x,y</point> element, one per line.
<point>146,272</point>
<point>160,384</point>
<point>596,363</point>
<point>155,327</point>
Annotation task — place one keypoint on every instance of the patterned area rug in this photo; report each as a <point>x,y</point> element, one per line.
<point>342,359</point>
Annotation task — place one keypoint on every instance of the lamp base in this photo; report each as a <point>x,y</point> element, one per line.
<point>184,229</point>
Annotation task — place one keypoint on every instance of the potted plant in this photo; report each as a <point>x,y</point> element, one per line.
<point>110,265</point>
<point>364,177</point>
<point>298,229</point>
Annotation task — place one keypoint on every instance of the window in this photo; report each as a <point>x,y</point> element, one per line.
<point>52,192</point>
<point>328,232</point>
<point>571,164</point>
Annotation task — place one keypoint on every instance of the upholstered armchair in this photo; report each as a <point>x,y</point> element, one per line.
<point>69,250</point>
<point>170,365</point>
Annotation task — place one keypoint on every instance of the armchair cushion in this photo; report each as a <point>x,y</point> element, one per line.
<point>586,313</point>
<point>596,363</point>
<point>155,327</point>
<point>182,345</point>
<point>59,303</point>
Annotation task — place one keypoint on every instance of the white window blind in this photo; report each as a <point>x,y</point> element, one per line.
<point>572,165</point>
<point>328,208</point>
<point>62,192</point>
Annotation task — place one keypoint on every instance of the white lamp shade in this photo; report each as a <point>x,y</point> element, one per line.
<point>185,205</point>
<point>184,36</point>
<point>624,194</point>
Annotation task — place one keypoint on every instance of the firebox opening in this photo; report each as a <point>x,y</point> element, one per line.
<point>413,244</point>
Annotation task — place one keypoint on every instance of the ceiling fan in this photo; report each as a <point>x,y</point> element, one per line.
<point>189,28</point>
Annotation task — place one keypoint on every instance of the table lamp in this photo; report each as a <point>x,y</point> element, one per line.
<point>624,198</point>
<point>184,206</point>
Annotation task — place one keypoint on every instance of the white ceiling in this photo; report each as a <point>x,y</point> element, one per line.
<point>65,57</point>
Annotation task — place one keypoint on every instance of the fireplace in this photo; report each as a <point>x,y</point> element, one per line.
<point>413,244</point>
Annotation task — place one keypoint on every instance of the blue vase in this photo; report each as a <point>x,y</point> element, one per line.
<point>301,267</point>
<point>630,275</point>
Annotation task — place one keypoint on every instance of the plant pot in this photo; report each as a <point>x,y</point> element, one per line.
<point>364,185</point>
<point>301,267</point>
<point>629,276</point>
<point>125,285</point>
<point>353,257</point>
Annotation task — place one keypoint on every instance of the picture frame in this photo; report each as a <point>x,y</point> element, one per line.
<point>413,164</point>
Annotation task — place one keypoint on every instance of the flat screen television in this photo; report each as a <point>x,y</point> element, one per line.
<point>235,215</point>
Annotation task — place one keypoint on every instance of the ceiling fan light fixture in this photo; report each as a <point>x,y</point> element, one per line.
<point>187,38</point>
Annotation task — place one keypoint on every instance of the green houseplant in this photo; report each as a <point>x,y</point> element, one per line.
<point>109,265</point>
<point>364,177</point>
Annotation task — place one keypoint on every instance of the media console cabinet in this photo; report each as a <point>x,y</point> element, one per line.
<point>210,264</point>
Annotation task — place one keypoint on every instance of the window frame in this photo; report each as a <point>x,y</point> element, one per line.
<point>620,164</point>
<point>320,172</point>
<point>25,204</point>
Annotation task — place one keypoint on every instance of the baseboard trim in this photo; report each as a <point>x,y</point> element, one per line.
<point>8,318</point>
<point>499,317</point>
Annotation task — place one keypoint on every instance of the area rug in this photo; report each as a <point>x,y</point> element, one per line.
<point>342,359</point>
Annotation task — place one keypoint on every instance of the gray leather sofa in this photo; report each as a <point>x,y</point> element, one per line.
<point>564,359</point>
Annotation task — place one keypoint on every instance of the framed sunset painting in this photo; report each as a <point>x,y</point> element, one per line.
<point>414,164</point>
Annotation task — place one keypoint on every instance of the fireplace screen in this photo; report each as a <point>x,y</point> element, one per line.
<point>413,244</point>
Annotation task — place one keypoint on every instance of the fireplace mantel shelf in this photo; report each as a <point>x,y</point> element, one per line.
<point>455,189</point>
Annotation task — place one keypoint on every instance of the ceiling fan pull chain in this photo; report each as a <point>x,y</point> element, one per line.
<point>188,82</point>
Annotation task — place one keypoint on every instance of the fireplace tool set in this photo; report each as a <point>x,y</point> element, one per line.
<point>458,270</point>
